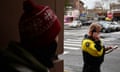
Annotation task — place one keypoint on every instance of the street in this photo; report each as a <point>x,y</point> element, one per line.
<point>72,50</point>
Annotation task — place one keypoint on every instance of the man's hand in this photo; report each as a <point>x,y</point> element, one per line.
<point>108,48</point>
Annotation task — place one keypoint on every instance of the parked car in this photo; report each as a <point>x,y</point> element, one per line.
<point>106,26</point>
<point>116,25</point>
<point>112,25</point>
<point>75,24</point>
<point>85,22</point>
<point>68,19</point>
<point>69,22</point>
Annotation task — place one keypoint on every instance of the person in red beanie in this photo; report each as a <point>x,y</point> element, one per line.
<point>38,28</point>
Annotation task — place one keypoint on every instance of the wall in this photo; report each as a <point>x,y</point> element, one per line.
<point>9,16</point>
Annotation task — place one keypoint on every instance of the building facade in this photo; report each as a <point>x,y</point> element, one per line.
<point>115,9</point>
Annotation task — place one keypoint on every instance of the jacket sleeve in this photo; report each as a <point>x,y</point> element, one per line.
<point>90,47</point>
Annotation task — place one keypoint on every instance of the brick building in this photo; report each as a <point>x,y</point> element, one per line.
<point>115,8</point>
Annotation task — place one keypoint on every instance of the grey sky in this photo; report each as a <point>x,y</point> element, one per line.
<point>90,3</point>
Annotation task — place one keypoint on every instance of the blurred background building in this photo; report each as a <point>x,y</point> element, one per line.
<point>100,10</point>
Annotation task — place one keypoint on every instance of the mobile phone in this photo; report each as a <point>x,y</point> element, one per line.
<point>115,47</point>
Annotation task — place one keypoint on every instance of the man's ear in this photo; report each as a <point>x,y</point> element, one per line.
<point>56,38</point>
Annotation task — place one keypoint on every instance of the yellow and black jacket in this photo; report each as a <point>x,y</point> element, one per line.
<point>93,51</point>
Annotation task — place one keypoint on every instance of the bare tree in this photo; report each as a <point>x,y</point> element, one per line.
<point>98,4</point>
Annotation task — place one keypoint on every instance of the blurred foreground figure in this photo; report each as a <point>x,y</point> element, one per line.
<point>39,27</point>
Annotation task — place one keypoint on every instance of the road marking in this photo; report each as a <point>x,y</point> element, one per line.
<point>72,48</point>
<point>78,40</point>
<point>79,45</point>
<point>66,52</point>
<point>72,42</point>
<point>66,71</point>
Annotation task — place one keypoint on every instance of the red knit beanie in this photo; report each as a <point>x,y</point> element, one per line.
<point>38,25</point>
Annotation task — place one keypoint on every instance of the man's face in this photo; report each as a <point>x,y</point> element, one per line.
<point>96,35</point>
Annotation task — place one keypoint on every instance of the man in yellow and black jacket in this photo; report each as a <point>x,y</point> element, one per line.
<point>92,49</point>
